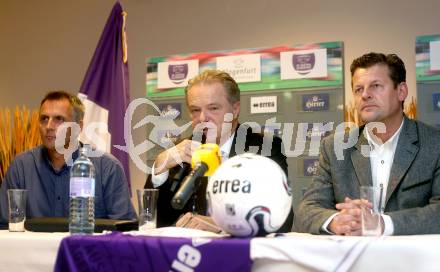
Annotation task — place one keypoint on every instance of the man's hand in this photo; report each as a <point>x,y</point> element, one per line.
<point>348,221</point>
<point>196,221</point>
<point>175,155</point>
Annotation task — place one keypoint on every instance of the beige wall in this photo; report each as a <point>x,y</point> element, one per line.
<point>48,44</point>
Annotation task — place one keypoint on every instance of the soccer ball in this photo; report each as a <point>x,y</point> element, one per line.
<point>249,195</point>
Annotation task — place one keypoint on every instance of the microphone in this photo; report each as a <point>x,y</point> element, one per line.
<point>178,177</point>
<point>204,161</point>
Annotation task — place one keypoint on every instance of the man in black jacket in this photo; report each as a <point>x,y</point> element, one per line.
<point>213,100</point>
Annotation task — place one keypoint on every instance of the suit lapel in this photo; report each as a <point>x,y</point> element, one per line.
<point>247,142</point>
<point>361,163</point>
<point>232,152</point>
<point>405,154</point>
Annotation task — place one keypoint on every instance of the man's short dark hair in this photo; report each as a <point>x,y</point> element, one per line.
<point>392,61</point>
<point>77,105</point>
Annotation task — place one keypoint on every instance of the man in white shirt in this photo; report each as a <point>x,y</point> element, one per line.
<point>213,100</point>
<point>404,160</point>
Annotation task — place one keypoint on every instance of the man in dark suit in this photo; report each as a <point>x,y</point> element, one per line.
<point>404,159</point>
<point>213,100</point>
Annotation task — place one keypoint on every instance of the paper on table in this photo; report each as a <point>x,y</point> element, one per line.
<point>177,232</point>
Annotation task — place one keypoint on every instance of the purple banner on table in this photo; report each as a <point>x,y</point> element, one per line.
<point>122,252</point>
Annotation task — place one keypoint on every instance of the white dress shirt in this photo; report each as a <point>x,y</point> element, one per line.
<point>159,179</point>
<point>381,161</point>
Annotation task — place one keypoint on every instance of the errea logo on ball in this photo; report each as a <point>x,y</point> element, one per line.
<point>234,186</point>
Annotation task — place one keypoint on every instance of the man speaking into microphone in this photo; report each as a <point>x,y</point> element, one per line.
<point>213,100</point>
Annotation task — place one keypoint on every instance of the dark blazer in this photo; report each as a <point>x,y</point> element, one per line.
<point>167,215</point>
<point>413,192</point>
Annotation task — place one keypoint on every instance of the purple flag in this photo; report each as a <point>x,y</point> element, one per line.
<point>105,89</point>
<point>123,252</point>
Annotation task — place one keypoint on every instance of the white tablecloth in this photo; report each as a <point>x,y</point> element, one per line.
<point>304,252</point>
<point>30,251</point>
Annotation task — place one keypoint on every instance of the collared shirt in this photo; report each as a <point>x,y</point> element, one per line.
<point>381,161</point>
<point>225,149</point>
<point>48,189</point>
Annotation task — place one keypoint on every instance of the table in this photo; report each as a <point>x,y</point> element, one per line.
<point>295,252</point>
<point>304,252</point>
<point>28,251</point>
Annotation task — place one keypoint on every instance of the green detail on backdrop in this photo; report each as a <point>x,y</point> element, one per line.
<point>270,69</point>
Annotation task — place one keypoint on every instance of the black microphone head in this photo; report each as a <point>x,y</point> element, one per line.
<point>188,186</point>
<point>185,167</point>
<point>184,193</point>
<point>204,161</point>
<point>180,175</point>
<point>177,203</point>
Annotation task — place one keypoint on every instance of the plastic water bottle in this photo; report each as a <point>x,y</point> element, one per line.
<point>82,195</point>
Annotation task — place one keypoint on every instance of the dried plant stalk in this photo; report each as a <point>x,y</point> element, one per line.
<point>411,108</point>
<point>351,114</point>
<point>18,132</point>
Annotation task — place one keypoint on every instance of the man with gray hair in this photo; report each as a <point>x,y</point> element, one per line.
<point>213,98</point>
<point>44,173</point>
